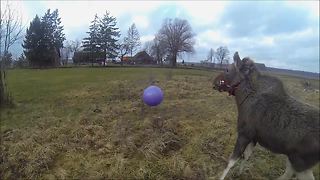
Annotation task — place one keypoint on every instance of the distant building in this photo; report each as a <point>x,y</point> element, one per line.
<point>127,60</point>
<point>143,58</point>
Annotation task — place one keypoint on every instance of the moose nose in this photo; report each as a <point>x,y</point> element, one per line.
<point>215,86</point>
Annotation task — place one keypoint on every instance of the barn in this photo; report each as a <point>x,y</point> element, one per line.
<point>143,58</point>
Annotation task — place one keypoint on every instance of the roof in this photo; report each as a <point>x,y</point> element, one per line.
<point>143,57</point>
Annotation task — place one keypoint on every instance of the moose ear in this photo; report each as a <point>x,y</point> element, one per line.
<point>236,59</point>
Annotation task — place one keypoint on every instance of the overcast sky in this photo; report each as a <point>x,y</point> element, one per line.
<point>280,34</point>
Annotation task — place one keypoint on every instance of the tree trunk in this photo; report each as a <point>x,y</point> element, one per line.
<point>121,59</point>
<point>58,58</point>
<point>66,63</point>
<point>174,60</point>
<point>104,58</point>
<point>2,93</point>
<point>4,96</point>
<point>92,61</point>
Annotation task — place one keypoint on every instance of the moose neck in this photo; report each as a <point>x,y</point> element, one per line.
<point>241,96</point>
<point>247,89</point>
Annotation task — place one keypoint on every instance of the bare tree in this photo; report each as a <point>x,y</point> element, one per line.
<point>10,28</point>
<point>65,52</point>
<point>75,45</point>
<point>133,39</point>
<point>69,49</point>
<point>10,31</point>
<point>177,35</point>
<point>222,55</point>
<point>158,49</point>
<point>123,50</point>
<point>148,47</point>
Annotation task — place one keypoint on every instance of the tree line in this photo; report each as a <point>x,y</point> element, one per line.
<point>219,56</point>
<point>43,44</point>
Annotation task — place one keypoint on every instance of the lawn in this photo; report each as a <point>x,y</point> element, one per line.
<point>90,123</point>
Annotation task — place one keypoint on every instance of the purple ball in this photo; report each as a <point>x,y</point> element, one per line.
<point>152,96</point>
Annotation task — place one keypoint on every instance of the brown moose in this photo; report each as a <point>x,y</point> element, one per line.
<point>269,116</point>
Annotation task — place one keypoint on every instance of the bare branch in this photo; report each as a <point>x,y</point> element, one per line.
<point>133,39</point>
<point>178,37</point>
<point>222,55</point>
<point>10,28</point>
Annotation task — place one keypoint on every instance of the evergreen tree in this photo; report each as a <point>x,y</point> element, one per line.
<point>58,35</point>
<point>21,62</point>
<point>91,44</point>
<point>53,36</point>
<point>43,40</point>
<point>47,42</point>
<point>109,34</point>
<point>32,43</point>
<point>102,39</point>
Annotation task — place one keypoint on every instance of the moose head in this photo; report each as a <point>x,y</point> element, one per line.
<point>234,74</point>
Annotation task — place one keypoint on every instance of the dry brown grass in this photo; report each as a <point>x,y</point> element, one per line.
<point>108,132</point>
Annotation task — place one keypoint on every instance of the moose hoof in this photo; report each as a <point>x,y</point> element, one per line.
<point>214,177</point>
<point>240,171</point>
<point>282,178</point>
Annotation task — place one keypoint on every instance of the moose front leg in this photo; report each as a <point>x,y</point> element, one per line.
<point>247,153</point>
<point>241,145</point>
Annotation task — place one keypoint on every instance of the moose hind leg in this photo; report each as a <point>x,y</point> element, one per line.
<point>247,153</point>
<point>305,175</point>
<point>241,144</point>
<point>288,172</point>
<point>302,164</point>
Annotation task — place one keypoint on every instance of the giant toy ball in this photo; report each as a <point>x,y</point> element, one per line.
<point>152,95</point>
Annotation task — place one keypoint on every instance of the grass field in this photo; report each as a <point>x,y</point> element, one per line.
<point>90,123</point>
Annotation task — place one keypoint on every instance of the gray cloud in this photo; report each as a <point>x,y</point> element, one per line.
<point>263,18</point>
<point>273,33</point>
